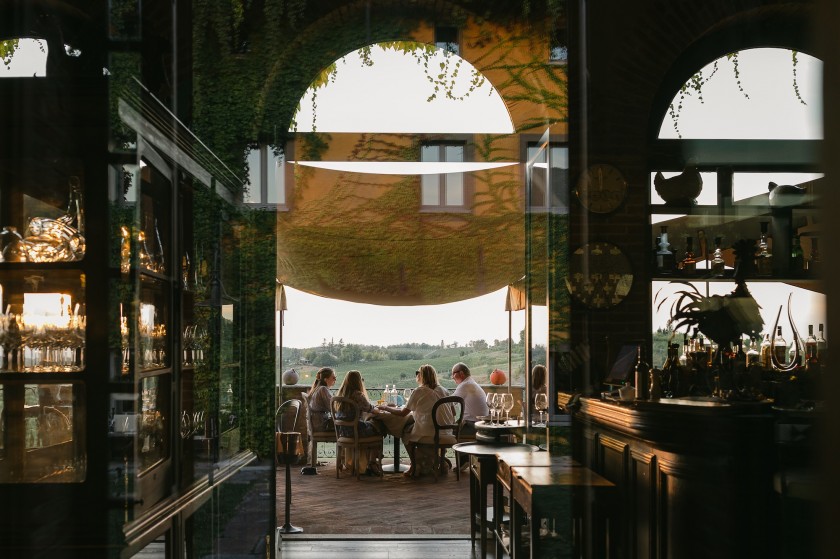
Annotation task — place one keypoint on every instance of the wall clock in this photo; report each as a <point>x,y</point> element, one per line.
<point>600,275</point>
<point>601,188</point>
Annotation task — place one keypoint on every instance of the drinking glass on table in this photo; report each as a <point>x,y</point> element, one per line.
<point>490,398</point>
<point>507,404</point>
<point>541,403</point>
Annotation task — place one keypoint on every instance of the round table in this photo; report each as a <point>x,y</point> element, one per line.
<point>393,424</point>
<point>483,473</point>
<point>497,432</point>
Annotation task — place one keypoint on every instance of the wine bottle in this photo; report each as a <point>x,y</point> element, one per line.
<point>753,353</point>
<point>765,352</point>
<point>642,375</point>
<point>688,265</point>
<point>671,372</point>
<point>813,264</point>
<point>780,346</point>
<point>763,257</point>
<point>822,346</point>
<point>812,362</point>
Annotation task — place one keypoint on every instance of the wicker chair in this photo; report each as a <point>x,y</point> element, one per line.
<point>441,441</point>
<point>314,437</point>
<point>356,443</point>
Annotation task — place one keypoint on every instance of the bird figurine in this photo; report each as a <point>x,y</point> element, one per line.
<point>679,190</point>
<point>785,194</point>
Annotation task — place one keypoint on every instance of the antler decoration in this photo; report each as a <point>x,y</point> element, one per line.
<point>786,367</point>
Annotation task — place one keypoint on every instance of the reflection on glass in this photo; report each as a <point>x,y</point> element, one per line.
<point>37,431</point>
<point>153,443</point>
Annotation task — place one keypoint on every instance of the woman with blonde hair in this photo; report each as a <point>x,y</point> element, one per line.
<point>353,388</point>
<point>319,399</point>
<point>420,405</point>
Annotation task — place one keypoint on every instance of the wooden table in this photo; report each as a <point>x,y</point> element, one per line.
<point>483,473</point>
<point>505,462</point>
<point>394,426</point>
<point>558,490</point>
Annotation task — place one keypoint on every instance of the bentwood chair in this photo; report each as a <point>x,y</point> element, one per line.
<point>314,437</point>
<point>446,434</point>
<point>355,442</point>
<point>285,420</point>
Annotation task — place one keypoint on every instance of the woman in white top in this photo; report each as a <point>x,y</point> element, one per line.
<point>420,406</point>
<point>319,399</point>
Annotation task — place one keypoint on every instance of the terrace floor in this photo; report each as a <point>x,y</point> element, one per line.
<point>323,505</point>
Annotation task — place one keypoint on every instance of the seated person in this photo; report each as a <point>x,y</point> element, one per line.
<point>319,399</point>
<point>420,406</point>
<point>353,387</point>
<point>475,403</point>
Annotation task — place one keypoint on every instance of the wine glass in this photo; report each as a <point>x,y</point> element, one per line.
<point>490,398</point>
<point>406,395</point>
<point>541,403</point>
<point>507,404</point>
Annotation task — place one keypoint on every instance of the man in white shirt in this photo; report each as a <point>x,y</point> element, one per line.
<point>475,403</point>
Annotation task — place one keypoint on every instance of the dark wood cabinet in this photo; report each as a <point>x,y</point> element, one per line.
<point>694,480</point>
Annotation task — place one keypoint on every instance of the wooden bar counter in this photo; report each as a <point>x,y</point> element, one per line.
<point>694,476</point>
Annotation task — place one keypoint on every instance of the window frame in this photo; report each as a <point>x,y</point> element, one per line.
<point>266,154</point>
<point>467,184</point>
<point>529,141</point>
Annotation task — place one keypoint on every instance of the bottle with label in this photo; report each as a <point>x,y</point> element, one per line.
<point>665,261</point>
<point>822,346</point>
<point>688,265</point>
<point>780,346</point>
<point>812,362</point>
<point>642,375</point>
<point>718,266</point>
<point>797,257</point>
<point>763,257</point>
<point>765,352</point>
<point>753,353</point>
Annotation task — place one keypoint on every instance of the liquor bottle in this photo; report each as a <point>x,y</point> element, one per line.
<point>822,346</point>
<point>796,344</point>
<point>671,372</point>
<point>642,375</point>
<point>655,384</point>
<point>797,257</point>
<point>665,260</point>
<point>685,356</point>
<point>657,261</point>
<point>718,265</point>
<point>780,346</point>
<point>765,352</point>
<point>688,265</point>
<point>813,263</point>
<point>763,258</point>
<point>753,354</point>
<point>812,362</point>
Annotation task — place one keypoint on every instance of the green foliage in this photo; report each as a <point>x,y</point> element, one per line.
<point>7,50</point>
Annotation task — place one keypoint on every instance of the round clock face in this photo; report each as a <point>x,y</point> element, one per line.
<point>600,275</point>
<point>601,188</point>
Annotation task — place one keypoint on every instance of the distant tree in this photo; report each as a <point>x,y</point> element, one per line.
<point>478,344</point>
<point>324,360</point>
<point>351,353</point>
<point>310,355</point>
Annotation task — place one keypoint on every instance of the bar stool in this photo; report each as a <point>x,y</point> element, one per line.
<point>482,475</point>
<point>287,449</point>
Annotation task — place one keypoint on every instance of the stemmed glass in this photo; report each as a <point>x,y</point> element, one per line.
<point>406,395</point>
<point>541,403</point>
<point>507,404</point>
<point>490,398</point>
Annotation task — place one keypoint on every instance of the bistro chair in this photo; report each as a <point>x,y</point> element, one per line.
<point>443,440</point>
<point>356,443</point>
<point>314,437</point>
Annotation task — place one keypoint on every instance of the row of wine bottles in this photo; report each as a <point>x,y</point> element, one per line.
<point>685,372</point>
<point>692,264</point>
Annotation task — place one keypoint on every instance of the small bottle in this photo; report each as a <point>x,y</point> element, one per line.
<point>779,346</point>
<point>688,265</point>
<point>763,258</point>
<point>822,346</point>
<point>664,257</point>
<point>812,362</point>
<point>671,372</point>
<point>655,384</point>
<point>765,352</point>
<point>718,265</point>
<point>685,356</point>
<point>797,257</point>
<point>642,375</point>
<point>753,354</point>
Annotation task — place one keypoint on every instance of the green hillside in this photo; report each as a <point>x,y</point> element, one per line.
<point>397,365</point>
